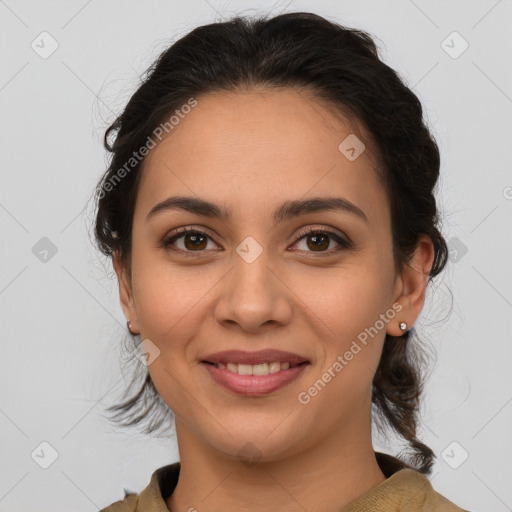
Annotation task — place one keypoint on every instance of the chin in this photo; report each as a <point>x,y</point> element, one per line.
<point>253,446</point>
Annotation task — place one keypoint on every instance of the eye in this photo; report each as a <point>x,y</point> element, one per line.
<point>320,240</point>
<point>194,240</point>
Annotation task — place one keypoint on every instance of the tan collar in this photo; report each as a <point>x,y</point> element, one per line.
<point>404,489</point>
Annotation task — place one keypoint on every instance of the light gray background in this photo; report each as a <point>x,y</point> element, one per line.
<point>61,321</point>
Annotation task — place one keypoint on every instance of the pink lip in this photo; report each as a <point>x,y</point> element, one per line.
<point>261,356</point>
<point>253,385</point>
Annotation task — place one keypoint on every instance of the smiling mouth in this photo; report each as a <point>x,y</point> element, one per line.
<point>254,380</point>
<point>255,369</point>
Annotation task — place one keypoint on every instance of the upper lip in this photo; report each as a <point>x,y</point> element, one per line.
<point>261,356</point>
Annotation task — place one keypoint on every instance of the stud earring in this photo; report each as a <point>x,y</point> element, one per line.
<point>130,328</point>
<point>403,327</point>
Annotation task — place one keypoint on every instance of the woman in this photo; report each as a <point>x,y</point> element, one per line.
<point>270,215</point>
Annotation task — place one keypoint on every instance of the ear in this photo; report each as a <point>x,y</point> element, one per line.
<point>125,292</point>
<point>411,285</point>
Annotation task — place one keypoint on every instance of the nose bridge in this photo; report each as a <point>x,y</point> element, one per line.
<point>251,277</point>
<point>253,295</point>
<point>251,265</point>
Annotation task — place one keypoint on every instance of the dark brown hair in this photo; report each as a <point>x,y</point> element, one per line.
<point>341,67</point>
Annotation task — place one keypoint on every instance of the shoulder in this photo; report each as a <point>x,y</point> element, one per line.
<point>425,496</point>
<point>128,504</point>
<point>408,489</point>
<point>152,498</point>
<point>444,505</point>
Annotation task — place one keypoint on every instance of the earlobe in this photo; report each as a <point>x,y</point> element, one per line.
<point>125,293</point>
<point>414,280</point>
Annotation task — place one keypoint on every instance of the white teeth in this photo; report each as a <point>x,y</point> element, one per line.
<point>245,369</point>
<point>274,367</point>
<point>254,369</point>
<point>260,369</point>
<point>232,367</point>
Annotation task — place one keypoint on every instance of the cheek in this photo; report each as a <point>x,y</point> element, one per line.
<point>167,308</point>
<point>347,301</point>
<point>351,306</point>
<point>166,297</point>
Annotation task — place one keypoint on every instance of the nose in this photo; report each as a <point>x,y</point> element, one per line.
<point>253,296</point>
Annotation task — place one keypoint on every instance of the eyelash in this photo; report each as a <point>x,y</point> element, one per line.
<point>180,232</point>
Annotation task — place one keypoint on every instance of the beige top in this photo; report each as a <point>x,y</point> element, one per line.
<point>404,490</point>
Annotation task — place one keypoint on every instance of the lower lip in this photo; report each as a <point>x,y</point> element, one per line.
<point>254,385</point>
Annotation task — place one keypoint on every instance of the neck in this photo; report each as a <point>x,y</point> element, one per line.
<point>324,478</point>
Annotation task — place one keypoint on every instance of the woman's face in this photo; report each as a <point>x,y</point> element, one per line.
<point>257,280</point>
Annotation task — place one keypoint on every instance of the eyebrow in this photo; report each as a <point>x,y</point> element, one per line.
<point>286,211</point>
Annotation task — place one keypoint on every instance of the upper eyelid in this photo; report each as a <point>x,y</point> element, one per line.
<point>321,229</point>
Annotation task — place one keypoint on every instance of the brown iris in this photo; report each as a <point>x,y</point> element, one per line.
<point>197,239</point>
<point>319,245</point>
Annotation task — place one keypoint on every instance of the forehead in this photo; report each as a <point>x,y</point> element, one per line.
<point>258,148</point>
